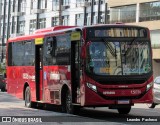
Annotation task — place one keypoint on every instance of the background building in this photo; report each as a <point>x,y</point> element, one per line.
<point>19,17</point>
<point>140,12</point>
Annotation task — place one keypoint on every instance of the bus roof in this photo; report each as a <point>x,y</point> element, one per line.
<point>61,29</point>
<point>25,37</point>
<point>41,33</point>
<point>115,25</point>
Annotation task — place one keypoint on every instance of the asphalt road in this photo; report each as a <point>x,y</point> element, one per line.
<point>13,109</point>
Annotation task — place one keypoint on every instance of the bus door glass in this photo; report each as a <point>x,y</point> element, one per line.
<point>75,66</point>
<point>39,69</point>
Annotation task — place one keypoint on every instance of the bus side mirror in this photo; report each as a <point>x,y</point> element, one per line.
<point>83,52</point>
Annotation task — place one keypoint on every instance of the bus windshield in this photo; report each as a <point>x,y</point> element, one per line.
<point>118,58</point>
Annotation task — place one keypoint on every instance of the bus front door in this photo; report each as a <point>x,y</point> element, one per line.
<point>39,73</point>
<point>75,71</point>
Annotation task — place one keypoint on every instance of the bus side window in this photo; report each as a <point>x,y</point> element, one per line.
<point>49,45</point>
<point>50,51</point>
<point>49,48</point>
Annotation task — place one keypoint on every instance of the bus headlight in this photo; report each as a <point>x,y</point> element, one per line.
<point>93,87</point>
<point>149,86</point>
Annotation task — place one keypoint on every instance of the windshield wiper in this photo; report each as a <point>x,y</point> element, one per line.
<point>111,49</point>
<point>126,52</point>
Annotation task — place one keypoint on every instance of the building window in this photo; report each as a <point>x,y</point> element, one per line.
<point>96,2</point>
<point>1,9</point>
<point>55,4</point>
<point>13,26</point>
<point>33,4</point>
<point>55,21</point>
<point>66,2</point>
<point>32,26</point>
<point>43,4</point>
<point>82,3</point>
<point>155,38</point>
<point>102,17</point>
<point>102,1</point>
<point>9,29</point>
<point>1,27</point>
<point>21,27</point>
<point>123,14</point>
<point>5,31</point>
<point>13,4</point>
<point>65,20</point>
<point>149,11</point>
<point>79,2</point>
<point>42,23</point>
<point>95,18</point>
<point>79,19</point>
<point>88,15</point>
<point>22,6</point>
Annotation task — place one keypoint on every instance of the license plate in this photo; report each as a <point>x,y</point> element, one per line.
<point>123,101</point>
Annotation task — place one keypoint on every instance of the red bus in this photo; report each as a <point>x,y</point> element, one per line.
<point>89,66</point>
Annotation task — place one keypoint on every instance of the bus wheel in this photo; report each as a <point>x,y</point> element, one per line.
<point>124,110</point>
<point>153,105</point>
<point>3,89</point>
<point>67,105</point>
<point>28,97</point>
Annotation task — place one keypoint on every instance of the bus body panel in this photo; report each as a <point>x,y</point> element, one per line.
<point>54,77</point>
<point>17,77</point>
<point>92,99</point>
<point>111,94</point>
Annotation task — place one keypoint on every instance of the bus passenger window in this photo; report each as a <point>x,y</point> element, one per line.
<point>49,48</point>
<point>49,51</point>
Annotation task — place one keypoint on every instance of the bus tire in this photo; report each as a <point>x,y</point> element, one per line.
<point>28,97</point>
<point>124,110</point>
<point>67,106</point>
<point>153,105</point>
<point>3,89</point>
